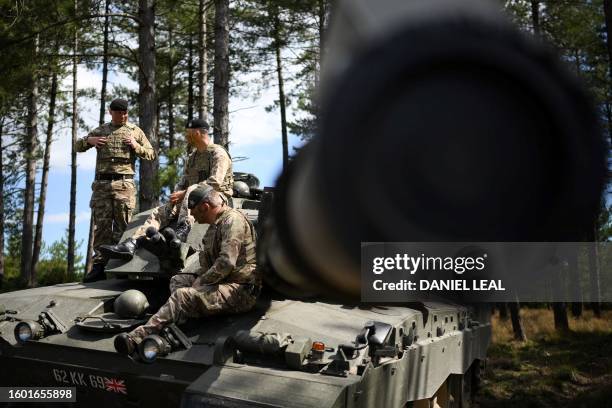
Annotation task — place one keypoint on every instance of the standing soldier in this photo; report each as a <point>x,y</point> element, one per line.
<point>114,193</point>
<point>209,164</point>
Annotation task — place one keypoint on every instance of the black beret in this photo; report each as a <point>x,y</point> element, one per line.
<point>197,195</point>
<point>197,124</point>
<point>119,105</point>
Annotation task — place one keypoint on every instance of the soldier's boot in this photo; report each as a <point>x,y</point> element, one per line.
<point>182,231</point>
<point>123,250</point>
<point>96,273</point>
<point>173,243</point>
<point>124,344</point>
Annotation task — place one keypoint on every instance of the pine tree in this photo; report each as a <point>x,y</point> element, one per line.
<point>147,102</point>
<point>221,74</point>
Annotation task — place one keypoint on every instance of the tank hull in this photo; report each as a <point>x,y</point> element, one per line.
<point>443,342</point>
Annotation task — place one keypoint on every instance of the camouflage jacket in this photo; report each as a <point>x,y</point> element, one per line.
<point>115,157</point>
<point>212,166</point>
<point>229,250</point>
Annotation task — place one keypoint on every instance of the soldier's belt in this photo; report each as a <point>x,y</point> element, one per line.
<point>112,177</point>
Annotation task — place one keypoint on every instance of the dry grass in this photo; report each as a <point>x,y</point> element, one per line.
<point>539,324</point>
<point>551,369</point>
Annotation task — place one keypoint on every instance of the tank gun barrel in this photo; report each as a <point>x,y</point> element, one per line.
<point>439,121</point>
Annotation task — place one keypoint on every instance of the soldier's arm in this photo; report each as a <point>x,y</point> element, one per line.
<point>232,235</point>
<point>144,150</point>
<point>220,162</point>
<point>182,184</point>
<point>81,144</point>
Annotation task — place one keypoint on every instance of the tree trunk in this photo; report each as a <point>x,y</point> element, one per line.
<point>104,65</point>
<point>170,95</point>
<point>559,284</point>
<point>593,254</point>
<point>608,17</point>
<point>535,16</point>
<point>1,205</point>
<point>574,283</point>
<point>222,74</point>
<point>517,323</point>
<point>203,63</point>
<point>322,16</point>
<point>73,158</point>
<point>149,169</point>
<point>609,118</point>
<point>90,237</point>
<point>560,313</point>
<point>576,309</point>
<point>503,310</point>
<point>157,116</point>
<point>42,198</point>
<point>281,87</point>
<point>30,146</point>
<point>190,82</point>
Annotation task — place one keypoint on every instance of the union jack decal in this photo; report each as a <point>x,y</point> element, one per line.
<point>115,385</point>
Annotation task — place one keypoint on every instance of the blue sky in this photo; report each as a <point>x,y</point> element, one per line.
<point>254,133</point>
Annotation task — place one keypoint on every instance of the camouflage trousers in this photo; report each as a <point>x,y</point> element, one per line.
<point>167,214</point>
<point>189,299</point>
<point>112,203</point>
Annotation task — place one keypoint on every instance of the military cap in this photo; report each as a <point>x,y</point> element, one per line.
<point>197,124</point>
<point>119,105</point>
<point>197,195</point>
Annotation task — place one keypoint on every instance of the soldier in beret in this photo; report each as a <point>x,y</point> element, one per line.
<point>118,143</point>
<point>221,279</point>
<point>209,164</point>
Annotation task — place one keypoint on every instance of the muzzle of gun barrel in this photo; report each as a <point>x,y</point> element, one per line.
<point>439,121</point>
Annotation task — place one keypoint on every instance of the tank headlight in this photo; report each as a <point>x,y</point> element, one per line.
<point>28,330</point>
<point>152,347</point>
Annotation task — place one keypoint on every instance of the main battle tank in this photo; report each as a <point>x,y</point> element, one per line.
<point>317,351</point>
<point>479,135</point>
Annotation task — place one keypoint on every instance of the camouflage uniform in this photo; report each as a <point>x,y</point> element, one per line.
<point>114,192</point>
<point>213,167</point>
<point>228,278</point>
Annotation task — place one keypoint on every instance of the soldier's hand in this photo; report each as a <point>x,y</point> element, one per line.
<point>130,141</point>
<point>177,196</point>
<point>97,141</point>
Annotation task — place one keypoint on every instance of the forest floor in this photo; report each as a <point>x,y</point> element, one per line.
<point>550,369</point>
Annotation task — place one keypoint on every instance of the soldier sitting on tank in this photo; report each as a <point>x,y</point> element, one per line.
<point>209,164</point>
<point>221,279</point>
